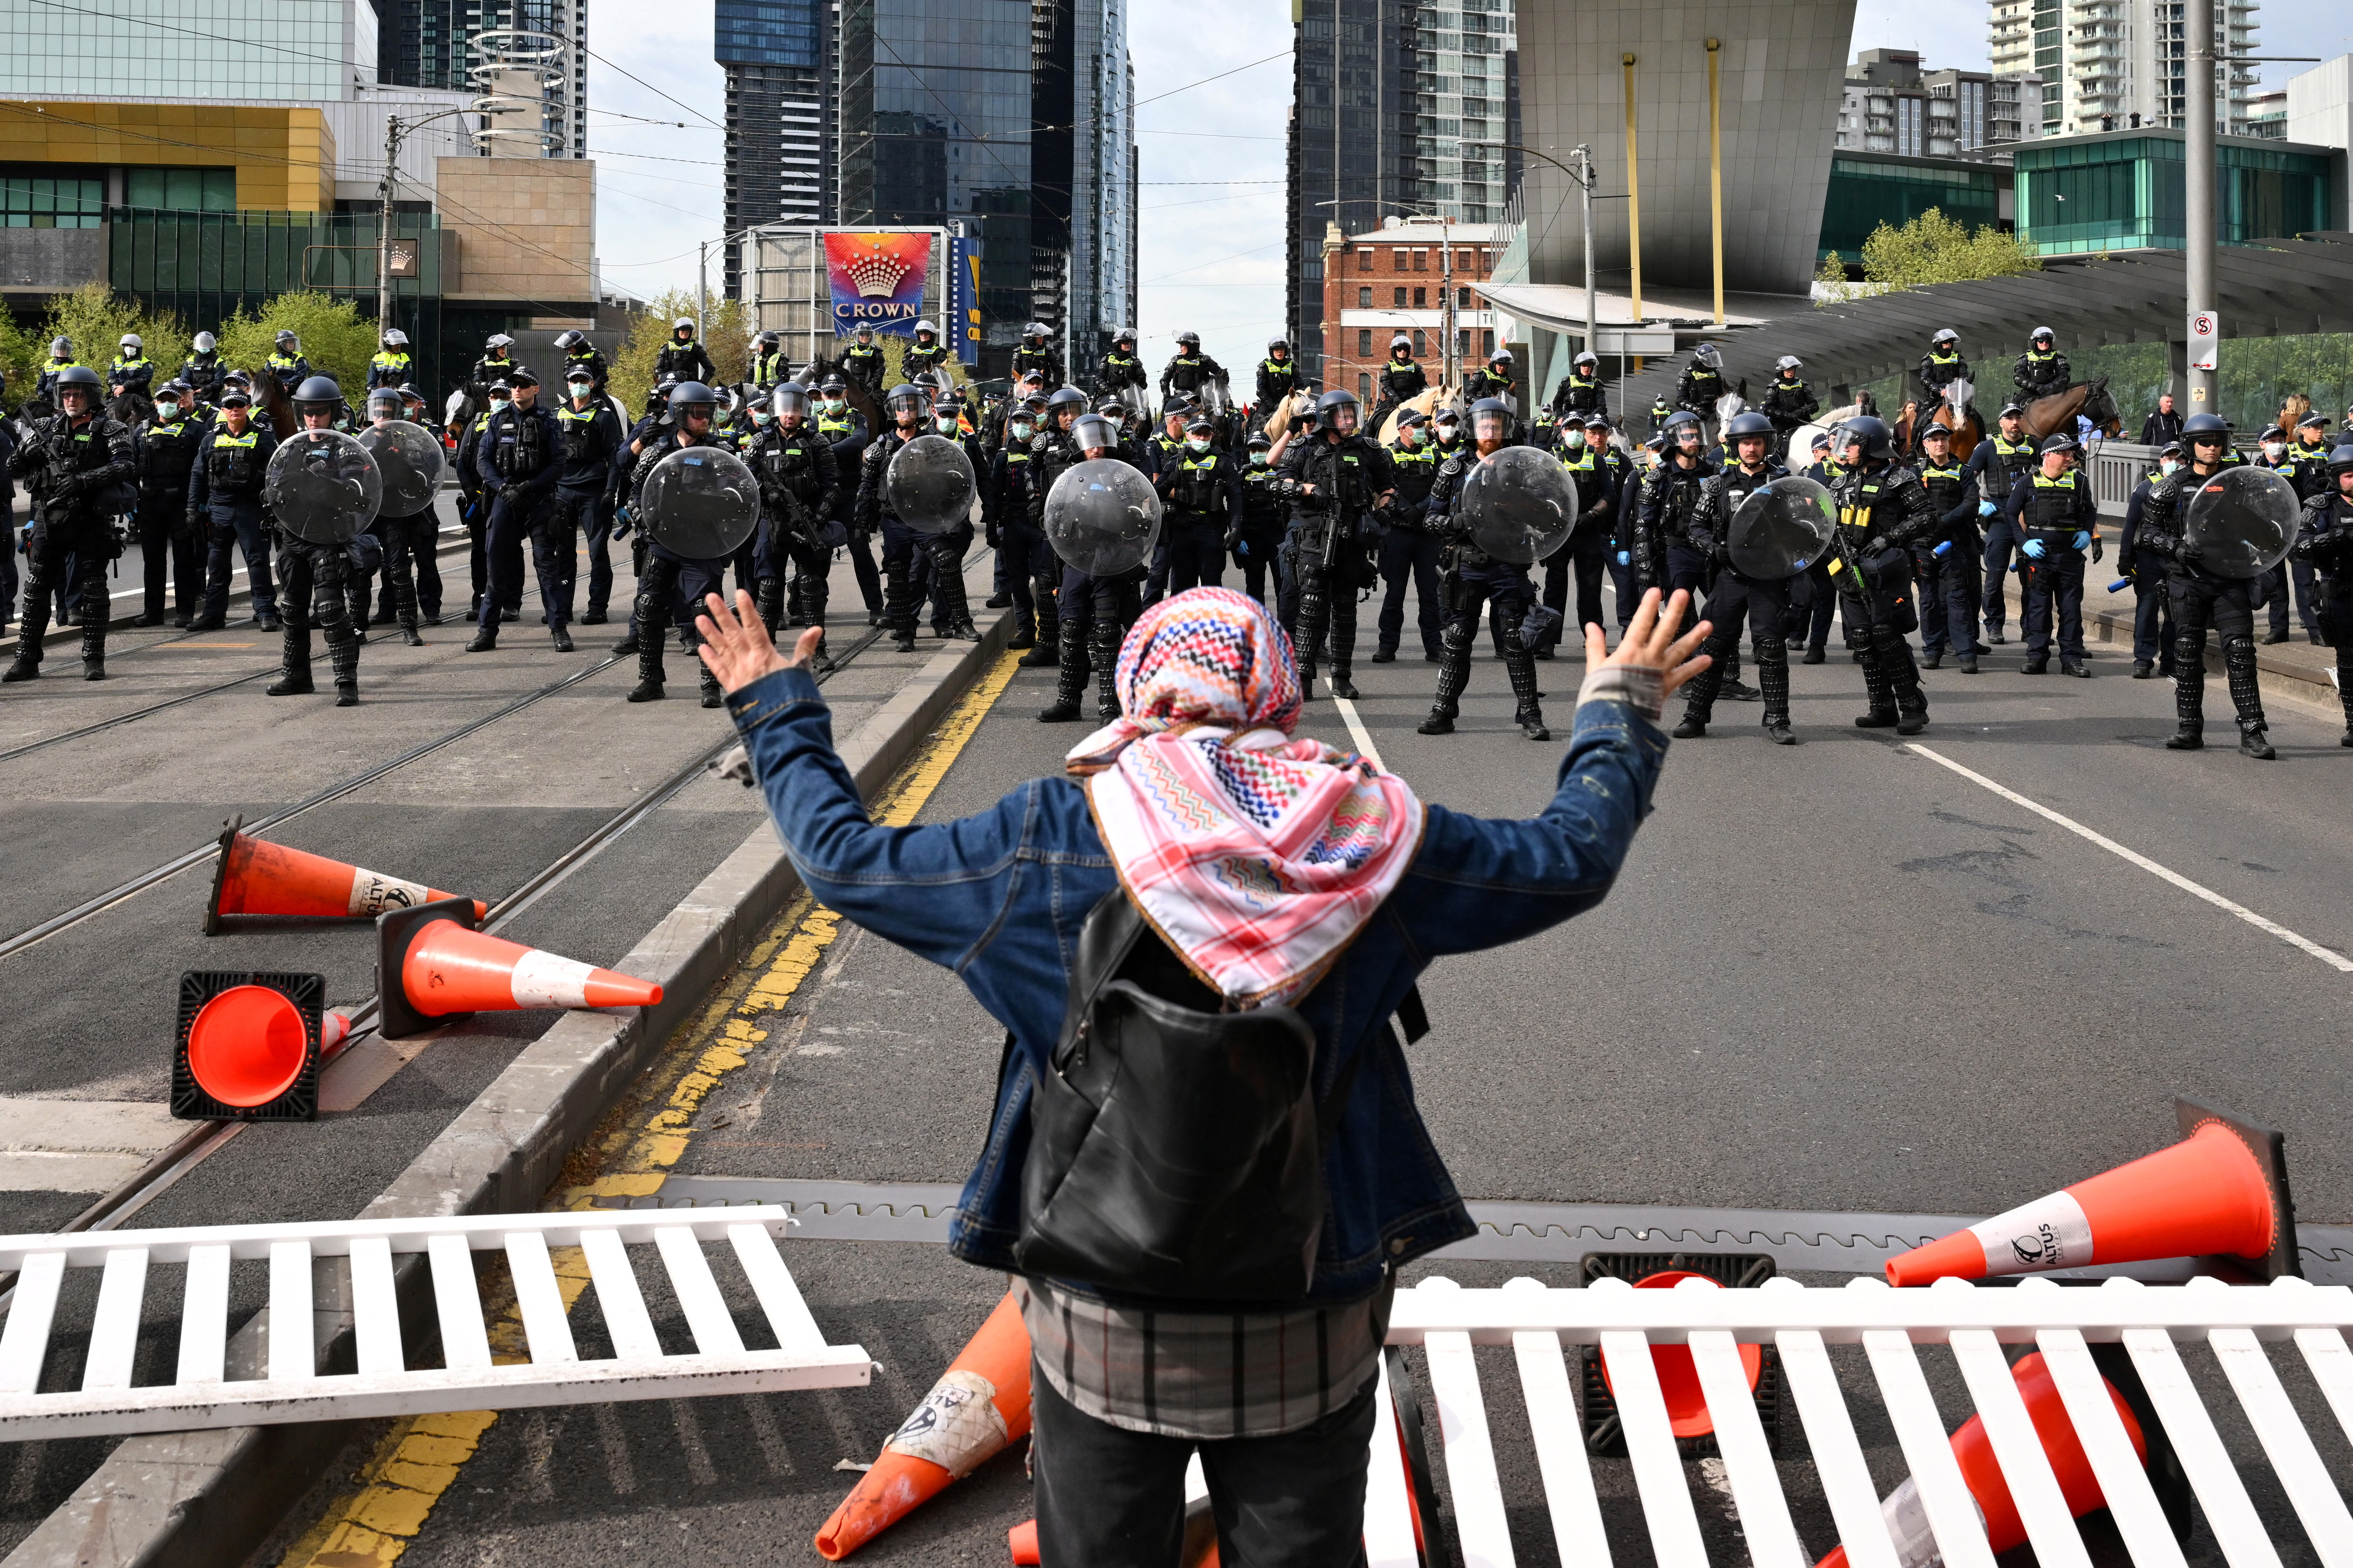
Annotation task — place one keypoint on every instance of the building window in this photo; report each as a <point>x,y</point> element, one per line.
<point>1421,261</point>
<point>1397,260</point>
<point>1400,299</point>
<point>45,201</point>
<point>1364,259</point>
<point>182,190</point>
<point>1463,299</point>
<point>1364,299</point>
<point>1421,299</point>
<point>1420,342</point>
<point>1487,341</point>
<point>1364,343</point>
<point>1364,386</point>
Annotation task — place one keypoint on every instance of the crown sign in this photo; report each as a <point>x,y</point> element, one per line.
<point>876,274</point>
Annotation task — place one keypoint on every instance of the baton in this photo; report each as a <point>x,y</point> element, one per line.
<point>2119,585</point>
<point>1942,550</point>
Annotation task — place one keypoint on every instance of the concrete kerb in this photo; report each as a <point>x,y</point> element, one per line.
<point>207,1500</point>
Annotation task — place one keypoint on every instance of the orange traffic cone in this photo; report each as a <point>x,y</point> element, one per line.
<point>2221,1191</point>
<point>249,1046</point>
<point>1679,1374</point>
<point>255,878</point>
<point>1907,1521</point>
<point>980,1406</point>
<point>432,965</point>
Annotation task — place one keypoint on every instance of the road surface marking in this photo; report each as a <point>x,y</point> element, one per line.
<point>2336,960</point>
<point>1356,728</point>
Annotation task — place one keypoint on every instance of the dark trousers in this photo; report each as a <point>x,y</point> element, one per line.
<point>1258,552</point>
<point>477,561</point>
<point>1825,605</point>
<point>237,524</point>
<point>8,579</point>
<point>1581,560</point>
<point>2000,539</point>
<point>2152,621</point>
<point>1033,572</point>
<point>1959,582</point>
<point>1327,604</point>
<point>592,520</point>
<point>2270,593</point>
<point>510,523</point>
<point>2308,595</point>
<point>1408,553</point>
<point>1621,582</point>
<point>65,561</point>
<point>2333,603</point>
<point>2056,580</point>
<point>167,544</point>
<point>1687,569</point>
<point>1196,552</point>
<point>870,578</point>
<point>417,539</point>
<point>1761,606</point>
<point>2200,604</point>
<point>1110,1497</point>
<point>556,560</point>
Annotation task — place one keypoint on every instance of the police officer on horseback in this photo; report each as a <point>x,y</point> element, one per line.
<point>1789,402</point>
<point>1580,392</point>
<point>1943,365</point>
<point>2042,370</point>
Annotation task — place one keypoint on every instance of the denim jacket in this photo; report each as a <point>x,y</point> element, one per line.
<point>999,898</point>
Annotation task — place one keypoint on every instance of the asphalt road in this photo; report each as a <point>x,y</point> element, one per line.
<point>1835,977</point>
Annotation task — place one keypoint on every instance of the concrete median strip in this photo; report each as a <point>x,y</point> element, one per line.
<point>192,1499</point>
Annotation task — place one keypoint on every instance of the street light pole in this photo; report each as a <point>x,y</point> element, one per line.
<point>395,130</point>
<point>2198,150</point>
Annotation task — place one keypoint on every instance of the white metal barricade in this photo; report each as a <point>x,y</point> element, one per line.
<point>201,1394</point>
<point>1537,1322</point>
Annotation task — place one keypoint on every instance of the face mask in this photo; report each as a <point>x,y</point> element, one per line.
<point>2166,465</point>
<point>1261,458</point>
<point>1022,429</point>
<point>2275,450</point>
<point>760,417</point>
<point>834,404</point>
<point>1575,438</point>
<point>1197,443</point>
<point>167,410</point>
<point>580,390</point>
<point>1447,432</point>
<point>945,422</point>
<point>1409,437</point>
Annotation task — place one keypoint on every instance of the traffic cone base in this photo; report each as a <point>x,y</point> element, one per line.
<point>248,1045</point>
<point>2221,1194</point>
<point>433,965</point>
<point>980,1405</point>
<point>252,876</point>
<point>1687,1413</point>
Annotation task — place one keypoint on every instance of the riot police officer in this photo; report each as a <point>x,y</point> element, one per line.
<point>1477,582</point>
<point>1601,475</point>
<point>1036,354</point>
<point>81,464</point>
<point>1942,365</point>
<point>946,550</point>
<point>798,475</point>
<point>1189,370</point>
<point>1664,555</point>
<point>165,449</point>
<point>496,364</point>
<point>684,359</point>
<point>2042,370</point>
<point>2152,610</point>
<point>1819,591</point>
<point>1257,533</point>
<point>1660,412</point>
<point>203,370</point>
<point>1763,603</point>
<point>579,353</point>
<point>1196,489</point>
<point>1789,403</point>
<point>399,540</point>
<point>670,583</point>
<point>2270,592</point>
<point>1495,380</point>
<point>2307,471</point>
<point>225,507</point>
<point>1409,549</point>
<point>45,385</point>
<point>1336,479</point>
<point>592,442</point>
<point>2325,544</point>
<point>1998,464</point>
<point>1279,376</point>
<point>844,429</point>
<point>1121,371</point>
<point>2056,514</point>
<point>132,374</point>
<point>926,354</point>
<point>392,366</point>
<point>1702,383</point>
<point>2204,599</point>
<point>1094,611</point>
<point>1401,377</point>
<point>770,368</point>
<point>1883,511</point>
<point>312,576</point>
<point>1580,392</point>
<point>1021,548</point>
<point>908,409</point>
<point>474,508</point>
<point>518,459</point>
<point>287,363</point>
<point>864,361</point>
<point>1948,583</point>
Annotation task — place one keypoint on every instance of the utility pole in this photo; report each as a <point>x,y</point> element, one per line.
<point>2198,151</point>
<point>1584,178</point>
<point>1449,363</point>
<point>392,129</point>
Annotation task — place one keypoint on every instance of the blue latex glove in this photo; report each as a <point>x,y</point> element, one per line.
<point>1625,558</point>
<point>1943,549</point>
<point>1987,508</point>
<point>2082,539</point>
<point>2033,550</point>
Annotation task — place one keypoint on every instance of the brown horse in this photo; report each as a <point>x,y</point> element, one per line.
<point>1954,413</point>
<point>853,389</point>
<point>2058,412</point>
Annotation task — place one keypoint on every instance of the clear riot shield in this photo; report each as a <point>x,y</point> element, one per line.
<point>1519,505</point>
<point>930,484</point>
<point>2242,520</point>
<point>411,461</point>
<point>323,486</point>
<point>1781,530</point>
<point>1102,516</point>
<point>700,503</point>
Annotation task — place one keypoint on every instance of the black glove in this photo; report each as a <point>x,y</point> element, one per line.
<point>2095,544</point>
<point>66,486</point>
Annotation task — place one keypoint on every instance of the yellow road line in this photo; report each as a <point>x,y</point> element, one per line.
<point>640,1140</point>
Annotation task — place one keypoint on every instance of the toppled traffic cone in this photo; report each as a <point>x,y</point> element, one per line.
<point>2220,1193</point>
<point>980,1406</point>
<point>1907,1519</point>
<point>432,965</point>
<point>249,1046</point>
<point>1687,1412</point>
<point>256,878</point>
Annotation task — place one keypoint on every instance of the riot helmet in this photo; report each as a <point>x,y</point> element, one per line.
<point>81,381</point>
<point>206,343</point>
<point>59,348</point>
<point>385,402</point>
<point>394,338</point>
<point>1093,433</point>
<point>1588,360</point>
<point>131,342</point>
<point>905,400</point>
<point>1278,348</point>
<point>924,334</point>
<point>318,397</point>
<point>2043,337</point>
<point>287,339</point>
<point>1491,420</point>
<point>1400,347</point>
<point>1336,410</point>
<point>498,343</point>
<point>1873,436</point>
<point>1944,338</point>
<point>691,400</point>
<point>567,342</point>
<point>1708,354</point>
<point>1189,340</point>
<point>1788,364</point>
<point>790,401</point>
<point>682,330</point>
<point>1124,338</point>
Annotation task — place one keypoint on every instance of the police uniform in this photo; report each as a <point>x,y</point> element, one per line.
<point>1400,379</point>
<point>476,513</point>
<point>920,359</point>
<point>2270,593</point>
<point>291,370</point>
<point>136,377</point>
<point>2307,468</point>
<point>82,472</point>
<point>225,505</point>
<point>1330,530</point>
<point>1199,491</point>
<point>593,444</point>
<point>2202,600</point>
<point>2152,608</point>
<point>1042,360</point>
<point>1665,556</point>
<point>846,433</point>
<point>901,546</point>
<point>1762,603</point>
<point>1029,565</point>
<point>2040,373</point>
<point>2054,513</point>
<point>768,369</point>
<point>1187,372</point>
<point>1477,582</point>
<point>1582,394</point>
<point>671,587</point>
<point>586,357</point>
<point>1996,465</point>
<point>2325,544</point>
<point>1277,379</point>
<point>204,372</point>
<point>1951,584</point>
<point>1882,508</point>
<point>1120,373</point>
<point>1789,403</point>
<point>1583,555</point>
<point>1257,536</point>
<point>1699,388</point>
<point>1939,370</point>
<point>167,452</point>
<point>391,367</point>
<point>314,582</point>
<point>798,475</point>
<point>1409,550</point>
<point>687,361</point>
<point>1094,612</point>
<point>1660,412</point>
<point>518,459</point>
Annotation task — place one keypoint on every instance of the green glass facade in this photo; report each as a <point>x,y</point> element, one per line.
<point>2125,192</point>
<point>1868,189</point>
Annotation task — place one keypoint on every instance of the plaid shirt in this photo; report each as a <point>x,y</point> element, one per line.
<point>1204,1375</point>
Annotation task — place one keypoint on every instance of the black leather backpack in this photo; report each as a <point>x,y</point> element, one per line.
<point>1177,1149</point>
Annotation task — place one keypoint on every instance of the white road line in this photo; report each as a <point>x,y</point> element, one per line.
<point>1357,732</point>
<point>2336,960</point>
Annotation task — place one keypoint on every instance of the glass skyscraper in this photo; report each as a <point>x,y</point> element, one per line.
<point>779,59</point>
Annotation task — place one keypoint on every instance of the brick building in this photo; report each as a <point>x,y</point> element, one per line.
<point>1392,281</point>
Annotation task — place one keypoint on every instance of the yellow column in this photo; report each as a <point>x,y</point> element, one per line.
<point>1634,197</point>
<point>1716,174</point>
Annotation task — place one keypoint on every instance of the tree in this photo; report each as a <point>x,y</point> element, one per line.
<point>1934,249</point>
<point>336,339</point>
<point>726,337</point>
<point>21,358</point>
<point>96,318</point>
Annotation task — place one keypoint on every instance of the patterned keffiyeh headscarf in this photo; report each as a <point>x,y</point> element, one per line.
<point>1259,856</point>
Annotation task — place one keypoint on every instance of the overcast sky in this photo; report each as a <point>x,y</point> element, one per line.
<point>1212,220</point>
